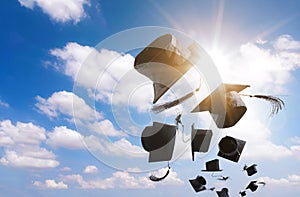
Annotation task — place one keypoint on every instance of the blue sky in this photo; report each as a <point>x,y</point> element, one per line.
<point>53,56</point>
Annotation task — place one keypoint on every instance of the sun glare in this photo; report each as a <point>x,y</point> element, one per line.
<point>219,58</point>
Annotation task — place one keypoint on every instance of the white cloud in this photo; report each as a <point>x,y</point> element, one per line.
<point>105,127</point>
<point>267,70</point>
<point>72,56</point>
<point>66,169</point>
<point>123,180</point>
<point>62,103</point>
<point>120,147</point>
<point>50,184</point>
<point>108,75</point>
<point>75,108</point>
<point>64,137</point>
<point>4,104</point>
<point>33,160</point>
<point>92,184</point>
<point>60,11</point>
<point>296,151</point>
<point>21,133</point>
<point>21,144</point>
<point>286,42</point>
<point>252,129</point>
<point>91,169</point>
<point>291,181</point>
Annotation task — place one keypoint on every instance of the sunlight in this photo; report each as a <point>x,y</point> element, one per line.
<point>219,58</point>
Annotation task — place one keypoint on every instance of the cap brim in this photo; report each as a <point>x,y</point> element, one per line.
<point>205,105</point>
<point>211,170</point>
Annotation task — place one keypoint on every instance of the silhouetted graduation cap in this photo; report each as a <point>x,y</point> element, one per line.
<point>251,169</point>
<point>231,148</point>
<point>212,166</point>
<point>224,104</point>
<point>252,186</point>
<point>164,61</point>
<point>198,184</point>
<point>243,193</point>
<point>223,192</point>
<point>159,141</point>
<point>200,140</point>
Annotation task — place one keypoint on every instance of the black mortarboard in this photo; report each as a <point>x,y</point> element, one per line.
<point>198,184</point>
<point>164,61</point>
<point>251,169</point>
<point>159,141</point>
<point>212,166</point>
<point>224,104</point>
<point>200,140</point>
<point>243,193</point>
<point>223,192</point>
<point>231,148</point>
<point>252,186</point>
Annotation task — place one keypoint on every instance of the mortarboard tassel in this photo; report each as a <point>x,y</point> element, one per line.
<point>168,105</point>
<point>156,179</point>
<point>277,103</point>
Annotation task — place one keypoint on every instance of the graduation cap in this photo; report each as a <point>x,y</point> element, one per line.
<point>251,169</point>
<point>253,185</point>
<point>159,141</point>
<point>164,61</point>
<point>223,192</point>
<point>224,104</point>
<point>231,148</point>
<point>242,193</point>
<point>198,184</point>
<point>200,140</point>
<point>212,166</point>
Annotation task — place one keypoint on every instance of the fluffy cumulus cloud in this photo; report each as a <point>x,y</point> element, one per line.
<point>267,67</point>
<point>256,133</point>
<point>90,169</point>
<point>122,180</point>
<point>64,137</point>
<point>50,184</point>
<point>73,107</point>
<point>21,143</point>
<point>286,42</point>
<point>62,103</point>
<point>60,11</point>
<point>107,75</point>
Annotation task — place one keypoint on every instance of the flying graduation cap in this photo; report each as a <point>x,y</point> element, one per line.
<point>250,169</point>
<point>198,183</point>
<point>200,140</point>
<point>224,104</point>
<point>253,185</point>
<point>223,192</point>
<point>159,141</point>
<point>231,148</point>
<point>212,166</point>
<point>164,61</point>
<point>243,193</point>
